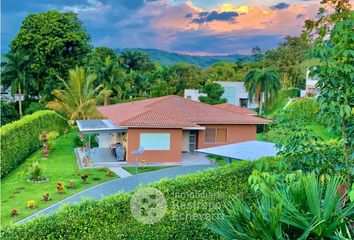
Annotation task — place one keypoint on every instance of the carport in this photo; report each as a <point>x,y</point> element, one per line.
<point>250,150</point>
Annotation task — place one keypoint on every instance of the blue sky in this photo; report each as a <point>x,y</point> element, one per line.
<point>196,27</point>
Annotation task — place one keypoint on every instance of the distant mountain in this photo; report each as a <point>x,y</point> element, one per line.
<point>170,58</point>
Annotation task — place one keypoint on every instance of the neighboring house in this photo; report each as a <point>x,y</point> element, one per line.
<point>234,92</point>
<point>167,126</point>
<point>311,88</point>
<point>193,94</point>
<point>236,109</point>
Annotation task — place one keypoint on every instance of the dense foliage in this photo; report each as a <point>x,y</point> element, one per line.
<point>54,42</point>
<point>8,112</point>
<point>192,201</point>
<point>308,208</point>
<point>213,93</point>
<point>20,138</point>
<point>333,41</point>
<point>79,98</point>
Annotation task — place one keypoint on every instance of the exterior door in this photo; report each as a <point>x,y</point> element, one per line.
<point>185,141</point>
<point>192,140</point>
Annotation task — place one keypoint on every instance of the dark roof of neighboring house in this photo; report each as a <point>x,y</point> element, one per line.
<point>236,109</point>
<point>172,112</point>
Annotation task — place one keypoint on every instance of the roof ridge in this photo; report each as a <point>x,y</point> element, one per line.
<point>172,116</point>
<point>161,98</point>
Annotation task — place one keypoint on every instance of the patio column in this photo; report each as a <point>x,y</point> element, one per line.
<point>89,146</point>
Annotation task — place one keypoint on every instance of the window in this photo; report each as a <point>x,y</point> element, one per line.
<point>155,141</point>
<point>215,135</point>
<point>189,97</point>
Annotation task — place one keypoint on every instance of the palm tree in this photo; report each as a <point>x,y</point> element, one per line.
<point>262,84</point>
<point>79,98</point>
<point>15,73</point>
<point>133,60</point>
<point>110,75</point>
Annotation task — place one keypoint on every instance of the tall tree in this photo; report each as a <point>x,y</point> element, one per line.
<point>79,98</point>
<point>55,42</point>
<point>15,73</point>
<point>262,84</point>
<point>133,60</point>
<point>287,58</point>
<point>213,94</point>
<point>111,76</point>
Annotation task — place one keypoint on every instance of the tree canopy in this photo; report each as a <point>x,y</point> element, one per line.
<point>55,42</point>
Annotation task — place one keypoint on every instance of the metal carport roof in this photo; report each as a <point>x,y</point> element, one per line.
<point>250,150</point>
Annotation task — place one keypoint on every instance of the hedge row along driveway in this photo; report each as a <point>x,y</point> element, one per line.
<point>20,138</point>
<point>192,201</point>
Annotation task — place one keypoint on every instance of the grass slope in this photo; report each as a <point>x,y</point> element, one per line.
<point>61,166</point>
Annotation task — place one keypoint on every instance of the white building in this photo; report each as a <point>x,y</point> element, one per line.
<point>234,92</point>
<point>311,88</point>
<point>193,94</point>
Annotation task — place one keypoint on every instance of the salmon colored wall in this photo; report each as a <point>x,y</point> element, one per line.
<point>172,155</point>
<point>235,134</point>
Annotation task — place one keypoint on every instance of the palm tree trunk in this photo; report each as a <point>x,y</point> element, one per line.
<point>20,101</point>
<point>260,103</point>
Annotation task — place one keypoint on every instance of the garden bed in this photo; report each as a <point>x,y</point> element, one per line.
<point>61,166</point>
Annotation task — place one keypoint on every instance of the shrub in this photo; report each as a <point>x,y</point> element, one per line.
<point>8,112</point>
<point>19,138</point>
<point>31,204</point>
<point>290,92</point>
<point>60,187</point>
<point>187,213</point>
<point>34,107</point>
<point>306,209</point>
<point>36,171</point>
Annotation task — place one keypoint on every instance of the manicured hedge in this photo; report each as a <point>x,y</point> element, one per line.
<point>187,215</point>
<point>20,138</point>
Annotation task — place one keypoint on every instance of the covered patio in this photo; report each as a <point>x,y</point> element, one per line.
<point>102,142</point>
<point>250,150</point>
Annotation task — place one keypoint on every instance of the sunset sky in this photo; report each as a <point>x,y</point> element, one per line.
<point>197,27</point>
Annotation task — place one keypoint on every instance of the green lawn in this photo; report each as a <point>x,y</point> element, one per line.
<point>61,166</point>
<point>278,105</point>
<point>132,170</point>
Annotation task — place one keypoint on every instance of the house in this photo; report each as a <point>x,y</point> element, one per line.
<point>234,92</point>
<point>311,88</point>
<point>193,94</point>
<point>167,126</point>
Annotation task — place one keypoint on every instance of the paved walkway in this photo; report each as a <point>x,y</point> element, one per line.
<point>126,184</point>
<point>120,172</point>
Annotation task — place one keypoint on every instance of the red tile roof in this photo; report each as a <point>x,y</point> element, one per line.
<point>236,109</point>
<point>173,112</point>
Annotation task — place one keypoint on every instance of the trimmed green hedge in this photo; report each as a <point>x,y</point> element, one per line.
<point>192,202</point>
<point>20,138</point>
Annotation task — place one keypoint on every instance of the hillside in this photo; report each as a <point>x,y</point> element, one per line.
<point>170,58</point>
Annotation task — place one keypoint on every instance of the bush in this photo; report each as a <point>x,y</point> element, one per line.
<point>19,139</point>
<point>306,209</point>
<point>8,113</point>
<point>290,93</point>
<point>187,217</point>
<point>34,107</point>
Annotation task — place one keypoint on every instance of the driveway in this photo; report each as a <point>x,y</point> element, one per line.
<point>126,184</point>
